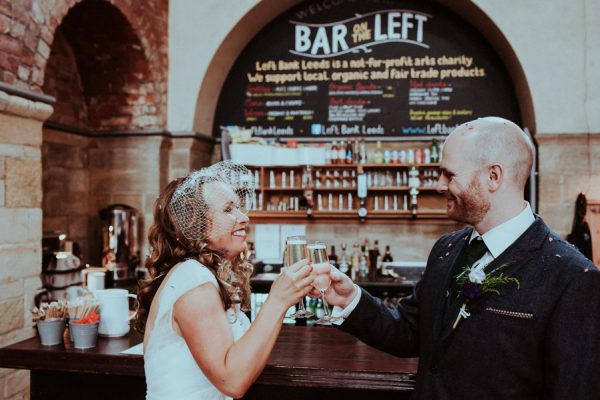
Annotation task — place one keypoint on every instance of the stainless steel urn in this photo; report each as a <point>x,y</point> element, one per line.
<point>120,242</point>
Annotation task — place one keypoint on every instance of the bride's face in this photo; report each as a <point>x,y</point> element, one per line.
<point>227,223</point>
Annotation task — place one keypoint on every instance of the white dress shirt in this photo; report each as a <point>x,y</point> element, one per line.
<point>496,239</point>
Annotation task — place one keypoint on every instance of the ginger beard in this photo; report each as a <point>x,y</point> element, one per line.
<point>226,222</point>
<point>467,204</point>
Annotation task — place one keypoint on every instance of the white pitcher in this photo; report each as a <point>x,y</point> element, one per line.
<point>114,312</point>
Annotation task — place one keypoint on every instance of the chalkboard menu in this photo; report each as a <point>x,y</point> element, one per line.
<point>347,68</point>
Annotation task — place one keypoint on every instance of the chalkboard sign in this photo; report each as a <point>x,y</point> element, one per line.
<point>340,68</point>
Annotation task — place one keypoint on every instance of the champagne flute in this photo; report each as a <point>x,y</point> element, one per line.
<point>295,250</point>
<point>318,256</point>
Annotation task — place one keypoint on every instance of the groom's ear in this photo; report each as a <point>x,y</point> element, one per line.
<point>495,176</point>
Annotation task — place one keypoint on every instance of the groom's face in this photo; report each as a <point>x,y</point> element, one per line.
<point>461,183</point>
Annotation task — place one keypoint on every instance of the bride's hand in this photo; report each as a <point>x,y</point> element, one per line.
<point>292,284</point>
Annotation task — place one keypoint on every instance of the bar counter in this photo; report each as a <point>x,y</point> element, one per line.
<point>307,362</point>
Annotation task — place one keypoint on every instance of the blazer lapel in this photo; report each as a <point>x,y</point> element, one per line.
<point>453,253</point>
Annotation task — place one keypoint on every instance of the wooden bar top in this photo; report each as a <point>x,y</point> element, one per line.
<point>310,356</point>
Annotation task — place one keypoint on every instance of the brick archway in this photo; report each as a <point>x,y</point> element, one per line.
<point>25,48</point>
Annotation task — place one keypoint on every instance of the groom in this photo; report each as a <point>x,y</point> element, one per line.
<point>505,308</point>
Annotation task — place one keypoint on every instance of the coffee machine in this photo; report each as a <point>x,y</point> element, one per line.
<point>120,243</point>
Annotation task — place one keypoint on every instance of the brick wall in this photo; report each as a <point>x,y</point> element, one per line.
<point>62,81</point>
<point>27,32</point>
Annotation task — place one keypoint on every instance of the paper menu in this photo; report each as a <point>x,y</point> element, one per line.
<point>266,242</point>
<point>269,240</point>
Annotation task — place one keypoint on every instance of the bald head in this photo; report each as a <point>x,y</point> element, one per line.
<point>492,140</point>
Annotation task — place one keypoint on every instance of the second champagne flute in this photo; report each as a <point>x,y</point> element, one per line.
<point>320,261</point>
<point>295,250</point>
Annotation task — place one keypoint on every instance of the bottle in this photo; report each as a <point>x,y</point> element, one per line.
<point>333,153</point>
<point>355,264</point>
<point>333,258</point>
<point>365,251</point>
<point>434,155</point>
<point>362,159</point>
<point>343,265</point>
<point>378,153</point>
<point>349,153</point>
<point>374,257</point>
<point>363,269</point>
<point>356,155</point>
<point>327,153</point>
<point>341,153</point>
<point>387,256</point>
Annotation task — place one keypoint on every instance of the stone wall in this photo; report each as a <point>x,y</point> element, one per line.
<point>569,164</point>
<point>123,170</point>
<point>21,233</point>
<point>66,186</point>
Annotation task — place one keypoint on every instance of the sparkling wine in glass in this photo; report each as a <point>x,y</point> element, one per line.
<point>320,261</point>
<point>295,250</point>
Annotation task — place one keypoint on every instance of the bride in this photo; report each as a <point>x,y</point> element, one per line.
<point>198,343</point>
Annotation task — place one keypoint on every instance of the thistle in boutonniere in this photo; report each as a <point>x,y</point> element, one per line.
<point>474,282</point>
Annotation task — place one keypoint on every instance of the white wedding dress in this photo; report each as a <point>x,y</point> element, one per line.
<point>171,371</point>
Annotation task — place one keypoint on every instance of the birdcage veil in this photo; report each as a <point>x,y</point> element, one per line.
<point>224,185</point>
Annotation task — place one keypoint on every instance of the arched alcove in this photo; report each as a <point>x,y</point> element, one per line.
<point>104,88</point>
<point>115,77</point>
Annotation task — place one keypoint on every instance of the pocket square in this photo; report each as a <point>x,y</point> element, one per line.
<point>508,313</point>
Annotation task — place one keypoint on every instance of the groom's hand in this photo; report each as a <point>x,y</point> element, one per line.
<point>342,289</point>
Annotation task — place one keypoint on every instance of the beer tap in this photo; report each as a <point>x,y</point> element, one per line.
<point>414,182</point>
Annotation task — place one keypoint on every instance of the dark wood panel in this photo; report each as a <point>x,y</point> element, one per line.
<point>311,359</point>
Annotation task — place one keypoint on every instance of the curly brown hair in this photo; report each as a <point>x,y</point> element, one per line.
<point>170,247</point>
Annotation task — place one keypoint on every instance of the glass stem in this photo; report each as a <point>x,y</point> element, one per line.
<point>301,306</point>
<point>325,305</point>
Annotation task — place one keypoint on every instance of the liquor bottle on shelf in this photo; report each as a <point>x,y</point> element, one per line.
<point>363,268</point>
<point>333,154</point>
<point>333,258</point>
<point>418,156</point>
<point>355,263</point>
<point>374,256</point>
<point>362,159</point>
<point>272,179</point>
<point>327,153</point>
<point>343,265</point>
<point>387,256</point>
<point>378,153</point>
<point>365,261</point>
<point>387,156</point>
<point>434,151</point>
<point>349,153</point>
<point>356,152</point>
<point>342,153</point>
<point>257,178</point>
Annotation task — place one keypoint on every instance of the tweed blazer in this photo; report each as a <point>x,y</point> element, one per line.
<point>537,340</point>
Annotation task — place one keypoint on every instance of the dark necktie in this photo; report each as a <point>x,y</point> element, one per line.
<point>473,252</point>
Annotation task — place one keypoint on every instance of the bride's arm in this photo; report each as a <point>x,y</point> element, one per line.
<point>233,366</point>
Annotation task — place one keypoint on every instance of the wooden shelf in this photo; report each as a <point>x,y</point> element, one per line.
<point>338,189</point>
<point>334,166</point>
<point>294,189</point>
<point>388,188</point>
<point>430,202</point>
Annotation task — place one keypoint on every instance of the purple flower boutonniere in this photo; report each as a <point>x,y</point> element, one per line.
<point>474,282</point>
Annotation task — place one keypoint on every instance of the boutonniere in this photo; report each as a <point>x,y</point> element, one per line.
<point>474,282</point>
